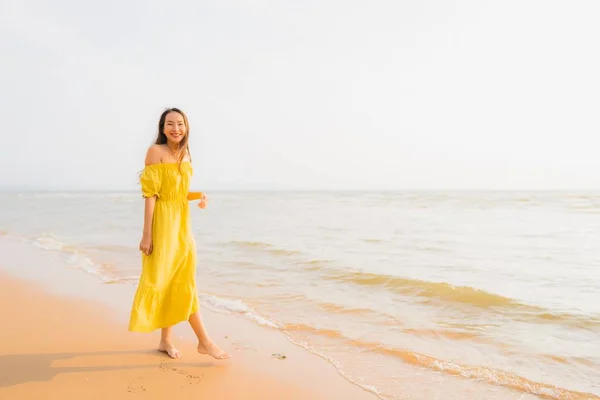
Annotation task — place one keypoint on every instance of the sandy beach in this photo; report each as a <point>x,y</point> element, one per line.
<point>59,341</point>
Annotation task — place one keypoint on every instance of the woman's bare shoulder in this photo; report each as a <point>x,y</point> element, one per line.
<point>154,154</point>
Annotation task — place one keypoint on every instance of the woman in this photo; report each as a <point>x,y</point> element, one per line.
<point>166,294</point>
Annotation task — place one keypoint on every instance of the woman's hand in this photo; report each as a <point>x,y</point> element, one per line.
<point>146,244</point>
<point>202,202</point>
<point>198,196</point>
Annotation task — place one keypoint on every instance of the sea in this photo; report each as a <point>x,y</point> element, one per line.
<point>409,294</point>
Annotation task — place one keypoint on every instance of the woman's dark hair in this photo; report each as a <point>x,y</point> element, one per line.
<point>161,138</point>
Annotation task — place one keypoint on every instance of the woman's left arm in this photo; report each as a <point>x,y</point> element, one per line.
<point>197,196</point>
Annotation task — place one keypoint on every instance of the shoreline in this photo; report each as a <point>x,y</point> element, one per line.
<point>66,336</point>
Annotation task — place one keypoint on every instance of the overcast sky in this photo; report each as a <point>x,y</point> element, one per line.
<point>327,94</point>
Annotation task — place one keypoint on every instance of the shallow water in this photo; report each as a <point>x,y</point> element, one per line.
<point>466,294</point>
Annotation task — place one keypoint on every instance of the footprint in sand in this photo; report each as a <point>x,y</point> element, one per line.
<point>191,378</point>
<point>242,346</point>
<point>135,386</point>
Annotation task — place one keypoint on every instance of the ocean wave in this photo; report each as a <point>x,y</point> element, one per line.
<point>474,372</point>
<point>284,252</point>
<point>330,333</point>
<point>427,289</point>
<point>375,240</point>
<point>314,265</point>
<point>481,373</point>
<point>75,257</point>
<point>431,291</point>
<point>267,247</point>
<point>336,365</point>
<point>250,244</point>
<point>121,280</point>
<point>219,304</point>
<point>339,309</point>
<point>445,334</point>
<point>115,248</point>
<point>48,241</point>
<point>246,265</point>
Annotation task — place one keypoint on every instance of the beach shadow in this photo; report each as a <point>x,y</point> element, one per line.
<point>25,368</point>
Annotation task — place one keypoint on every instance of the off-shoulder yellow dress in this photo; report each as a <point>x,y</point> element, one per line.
<point>166,293</point>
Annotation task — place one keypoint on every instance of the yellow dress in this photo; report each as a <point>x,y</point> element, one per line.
<point>166,293</point>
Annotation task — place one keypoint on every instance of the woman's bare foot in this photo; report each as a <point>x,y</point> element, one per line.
<point>213,350</point>
<point>168,348</point>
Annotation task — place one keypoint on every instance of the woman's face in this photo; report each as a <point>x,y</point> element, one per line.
<point>174,129</point>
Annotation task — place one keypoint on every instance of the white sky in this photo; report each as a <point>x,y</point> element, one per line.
<point>323,94</point>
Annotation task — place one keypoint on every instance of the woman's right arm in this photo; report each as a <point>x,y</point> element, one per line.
<point>149,203</point>
<point>152,157</point>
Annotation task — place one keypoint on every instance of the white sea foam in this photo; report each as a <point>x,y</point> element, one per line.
<point>77,260</point>
<point>48,241</point>
<point>70,255</point>
<point>219,304</point>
